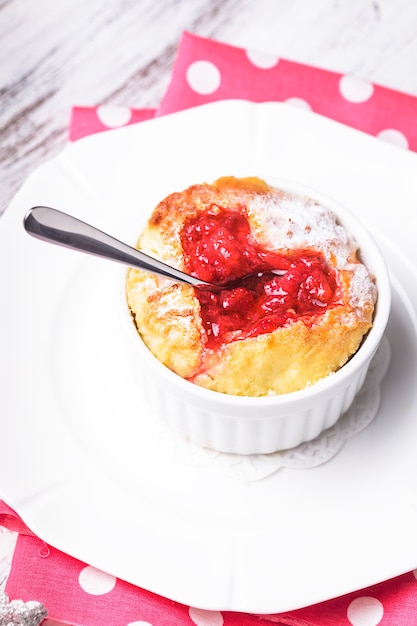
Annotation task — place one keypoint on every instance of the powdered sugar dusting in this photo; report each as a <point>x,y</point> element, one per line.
<point>283,221</point>
<point>294,222</point>
<point>361,289</point>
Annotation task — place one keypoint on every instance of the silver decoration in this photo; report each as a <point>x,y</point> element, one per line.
<point>19,613</point>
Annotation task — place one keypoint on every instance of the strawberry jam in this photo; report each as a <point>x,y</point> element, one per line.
<point>218,247</point>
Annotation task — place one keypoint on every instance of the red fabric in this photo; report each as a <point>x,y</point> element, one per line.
<point>87,121</point>
<point>205,71</point>
<point>10,520</point>
<point>321,89</point>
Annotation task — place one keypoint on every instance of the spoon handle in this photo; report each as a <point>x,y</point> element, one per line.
<point>57,227</point>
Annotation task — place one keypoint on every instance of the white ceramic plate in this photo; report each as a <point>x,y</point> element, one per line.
<point>81,460</point>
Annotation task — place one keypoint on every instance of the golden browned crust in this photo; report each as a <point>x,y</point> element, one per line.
<point>168,319</point>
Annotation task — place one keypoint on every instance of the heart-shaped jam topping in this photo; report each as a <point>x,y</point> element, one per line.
<point>218,247</point>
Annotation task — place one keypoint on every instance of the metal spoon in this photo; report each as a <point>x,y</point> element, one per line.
<point>66,230</point>
<point>57,227</point>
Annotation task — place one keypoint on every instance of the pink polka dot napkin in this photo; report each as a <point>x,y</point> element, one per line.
<point>205,71</point>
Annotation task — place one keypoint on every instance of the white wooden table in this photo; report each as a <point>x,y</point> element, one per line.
<point>55,54</point>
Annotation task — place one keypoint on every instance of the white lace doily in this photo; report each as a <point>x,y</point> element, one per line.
<point>304,456</point>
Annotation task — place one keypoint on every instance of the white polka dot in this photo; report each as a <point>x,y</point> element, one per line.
<point>355,89</point>
<point>299,103</point>
<point>261,59</point>
<point>390,135</point>
<point>95,582</point>
<point>415,573</point>
<point>113,116</point>
<point>139,624</point>
<point>203,77</point>
<point>205,618</point>
<point>365,611</point>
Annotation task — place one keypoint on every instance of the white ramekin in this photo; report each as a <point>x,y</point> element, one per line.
<point>247,425</point>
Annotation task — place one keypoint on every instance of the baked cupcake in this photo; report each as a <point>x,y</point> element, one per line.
<point>299,317</point>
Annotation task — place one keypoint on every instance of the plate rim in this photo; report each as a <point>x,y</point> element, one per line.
<point>11,219</point>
